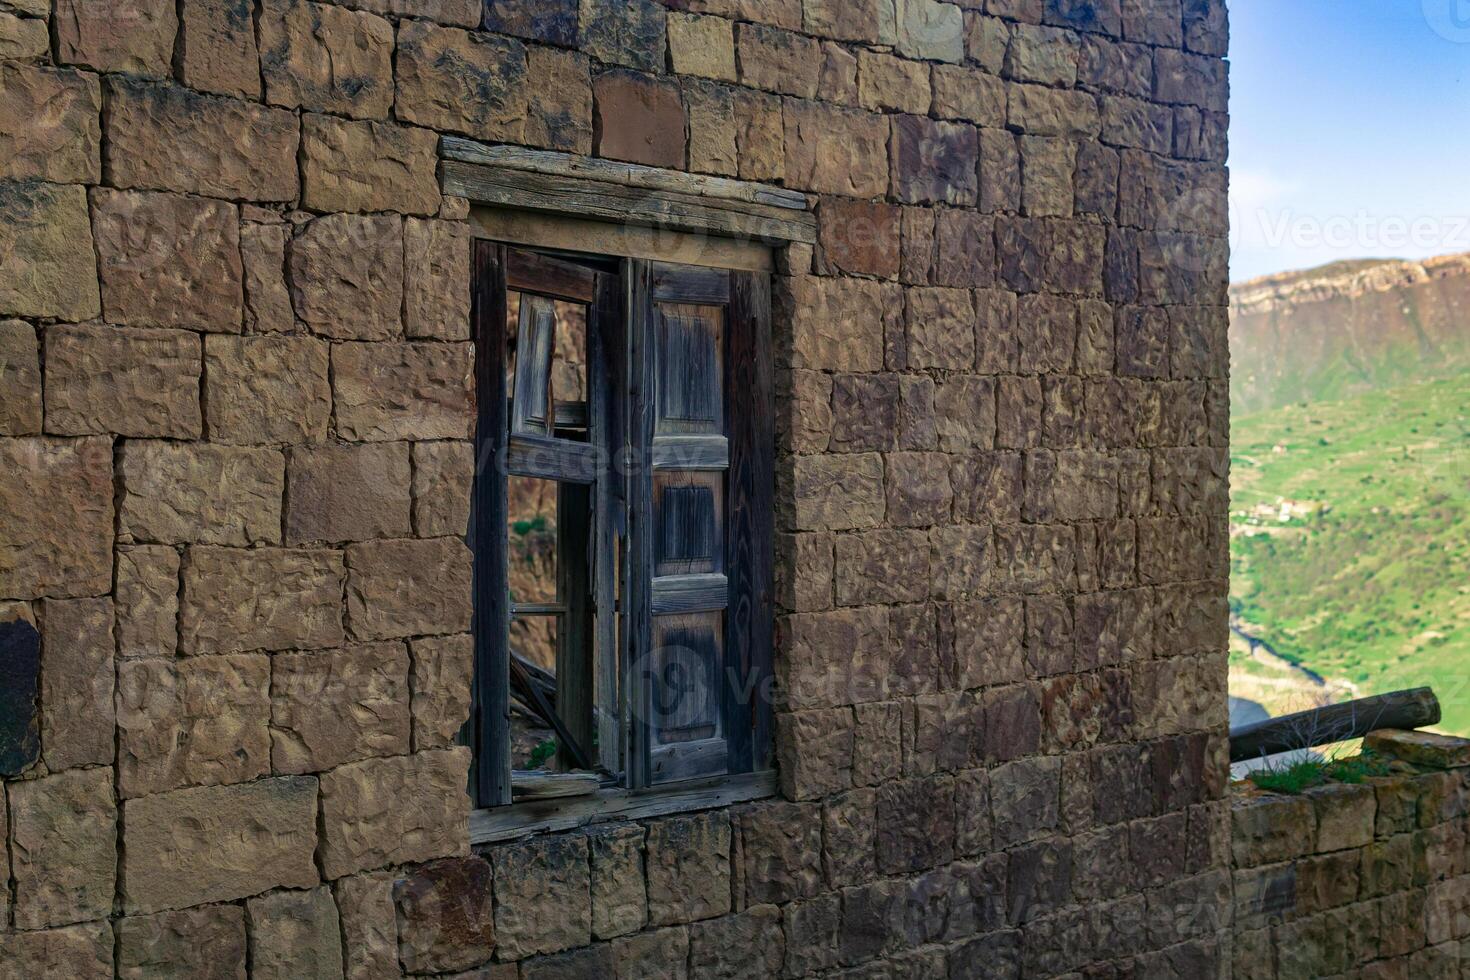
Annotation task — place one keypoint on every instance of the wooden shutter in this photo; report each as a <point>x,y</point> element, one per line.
<point>697,635</point>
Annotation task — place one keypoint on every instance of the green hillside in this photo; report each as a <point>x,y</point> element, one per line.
<point>1368,577</point>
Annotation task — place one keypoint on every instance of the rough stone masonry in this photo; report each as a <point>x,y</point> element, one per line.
<point>235,410</point>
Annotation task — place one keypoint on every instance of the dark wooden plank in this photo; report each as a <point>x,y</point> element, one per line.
<point>604,358</point>
<point>690,760</point>
<point>491,720</point>
<point>691,357</point>
<point>525,190</point>
<point>690,284</point>
<point>613,172</point>
<point>750,533</point>
<point>533,272</point>
<point>638,568</point>
<point>531,409</point>
<point>679,594</point>
<point>1416,708</point>
<point>691,453</point>
<point>575,671</point>
<point>553,459</point>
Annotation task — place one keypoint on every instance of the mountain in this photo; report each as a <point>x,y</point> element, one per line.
<point>1347,328</point>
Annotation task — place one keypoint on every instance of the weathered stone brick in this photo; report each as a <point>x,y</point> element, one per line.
<point>940,328</point>
<point>933,162</point>
<point>1096,185</point>
<point>368,166</point>
<point>218,844</point>
<point>82,951</point>
<point>77,682</point>
<point>660,954</point>
<point>778,61</point>
<point>848,833</point>
<point>137,383</point>
<point>436,278</point>
<point>1047,166</point>
<point>618,893</point>
<point>177,493</point>
<point>552,21</point>
<point>965,413</point>
<point>20,379</point>
<point>260,599</point>
<point>217,50</point>
<point>916,824</point>
<point>917,248</point>
<point>987,487</point>
<point>1191,79</point>
<point>384,392</point>
<point>919,493</point>
<point>51,268</point>
<point>347,276</point>
<point>960,561</point>
<point>701,45</point>
<point>930,30</point>
<point>295,935</point>
<point>839,324</point>
<point>836,493</point>
<point>459,81</point>
<point>804,571</point>
<point>559,105</point>
<point>830,150</point>
<point>205,943</point>
<point>147,601</point>
<point>917,427</point>
<point>760,144</point>
<point>870,21</point>
<point>1018,413</point>
<point>266,390</point>
<point>688,860</point>
<point>63,848</point>
<point>133,36</point>
<point>712,127</point>
<point>624,32</point>
<point>996,333</point>
<point>1205,28</point>
<point>1042,54</point>
<point>442,670</point>
<point>859,237</point>
<point>348,492</point>
<point>747,945</point>
<point>23,38</point>
<point>964,249</point>
<point>394,811</point>
<point>1000,171</point>
<point>779,847</point>
<point>445,920</point>
<point>1138,124</point>
<point>864,412</point>
<point>56,504</point>
<point>369,925</point>
<point>968,95</point>
<point>442,476</point>
<point>804,411</point>
<point>890,84</point>
<point>168,138</point>
<point>263,258</point>
<point>639,118</point>
<point>50,125</point>
<point>326,58</point>
<point>223,703</point>
<point>408,588</point>
<point>553,870</point>
<point>168,261</point>
<point>331,707</point>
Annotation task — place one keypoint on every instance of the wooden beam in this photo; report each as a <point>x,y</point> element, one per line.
<point>676,595</point>
<point>617,203</point>
<point>1417,708</point>
<point>614,172</point>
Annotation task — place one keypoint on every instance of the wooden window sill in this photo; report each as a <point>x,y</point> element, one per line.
<point>522,819</point>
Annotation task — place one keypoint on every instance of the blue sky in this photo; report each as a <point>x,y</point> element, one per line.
<point>1349,131</point>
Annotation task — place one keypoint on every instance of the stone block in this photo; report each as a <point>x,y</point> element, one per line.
<point>368,166</point>
<point>1000,172</point>
<point>133,36</point>
<point>618,893</point>
<point>710,109</point>
<point>624,32</point>
<point>919,493</point>
<point>879,567</point>
<point>864,412</point>
<point>332,707</point>
<point>441,675</point>
<point>550,872</point>
<point>987,487</point>
<point>559,105</point>
<point>347,277</point>
<point>266,390</point>
<point>260,599</point>
<point>660,954</point>
<point>394,811</point>
<point>965,249</point>
<point>551,21</point>
<point>940,328</point>
<point>436,279</point>
<point>932,162</point>
<point>688,862</point>
<point>930,30</point>
<point>1180,77</point>
<point>63,848</point>
<point>217,47</point>
<point>1205,27</point>
<point>138,383</point>
<point>77,682</point>
<point>877,748</point>
<point>385,392</point>
<point>639,118</point>
<point>835,658</point>
<point>1271,828</point>
<point>1047,167</point>
<point>348,492</point>
<point>759,135</point>
<point>859,237</point>
<point>408,588</point>
<point>168,261</point>
<point>849,834</point>
<point>445,920</point>
<point>20,379</point>
<point>1426,749</point>
<point>177,493</point>
<point>459,81</point>
<point>867,21</point>
<point>369,925</point>
<point>263,258</point>
<point>839,324</point>
<point>916,824</point>
<point>748,945</point>
<point>837,492</point>
<point>1012,722</point>
<point>50,126</point>
<point>50,263</point>
<point>443,474</point>
<point>295,935</point>
<point>964,406</point>
<point>967,95</point>
<point>804,571</point>
<point>200,944</point>
<point>147,601</point>
<point>168,138</point>
<point>830,150</point>
<point>222,703</point>
<point>326,58</point>
<point>82,951</point>
<point>779,847</point>
<point>890,84</point>
<point>56,504</point>
<point>778,61</point>
<point>1447,910</point>
<point>701,45</point>
<point>23,38</point>
<point>811,929</point>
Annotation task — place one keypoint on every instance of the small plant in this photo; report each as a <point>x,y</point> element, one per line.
<point>542,753</point>
<point>1297,777</point>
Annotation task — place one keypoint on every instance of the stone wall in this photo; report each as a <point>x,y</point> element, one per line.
<point>1368,881</point>
<point>235,399</point>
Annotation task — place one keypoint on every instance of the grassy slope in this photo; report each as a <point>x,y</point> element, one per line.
<point>1377,590</point>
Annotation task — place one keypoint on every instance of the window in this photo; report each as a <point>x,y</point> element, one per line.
<point>621,523</point>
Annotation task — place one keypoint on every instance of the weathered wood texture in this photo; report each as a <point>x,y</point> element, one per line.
<point>1416,708</point>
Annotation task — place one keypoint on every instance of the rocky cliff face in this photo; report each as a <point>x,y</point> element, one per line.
<point>1347,327</point>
